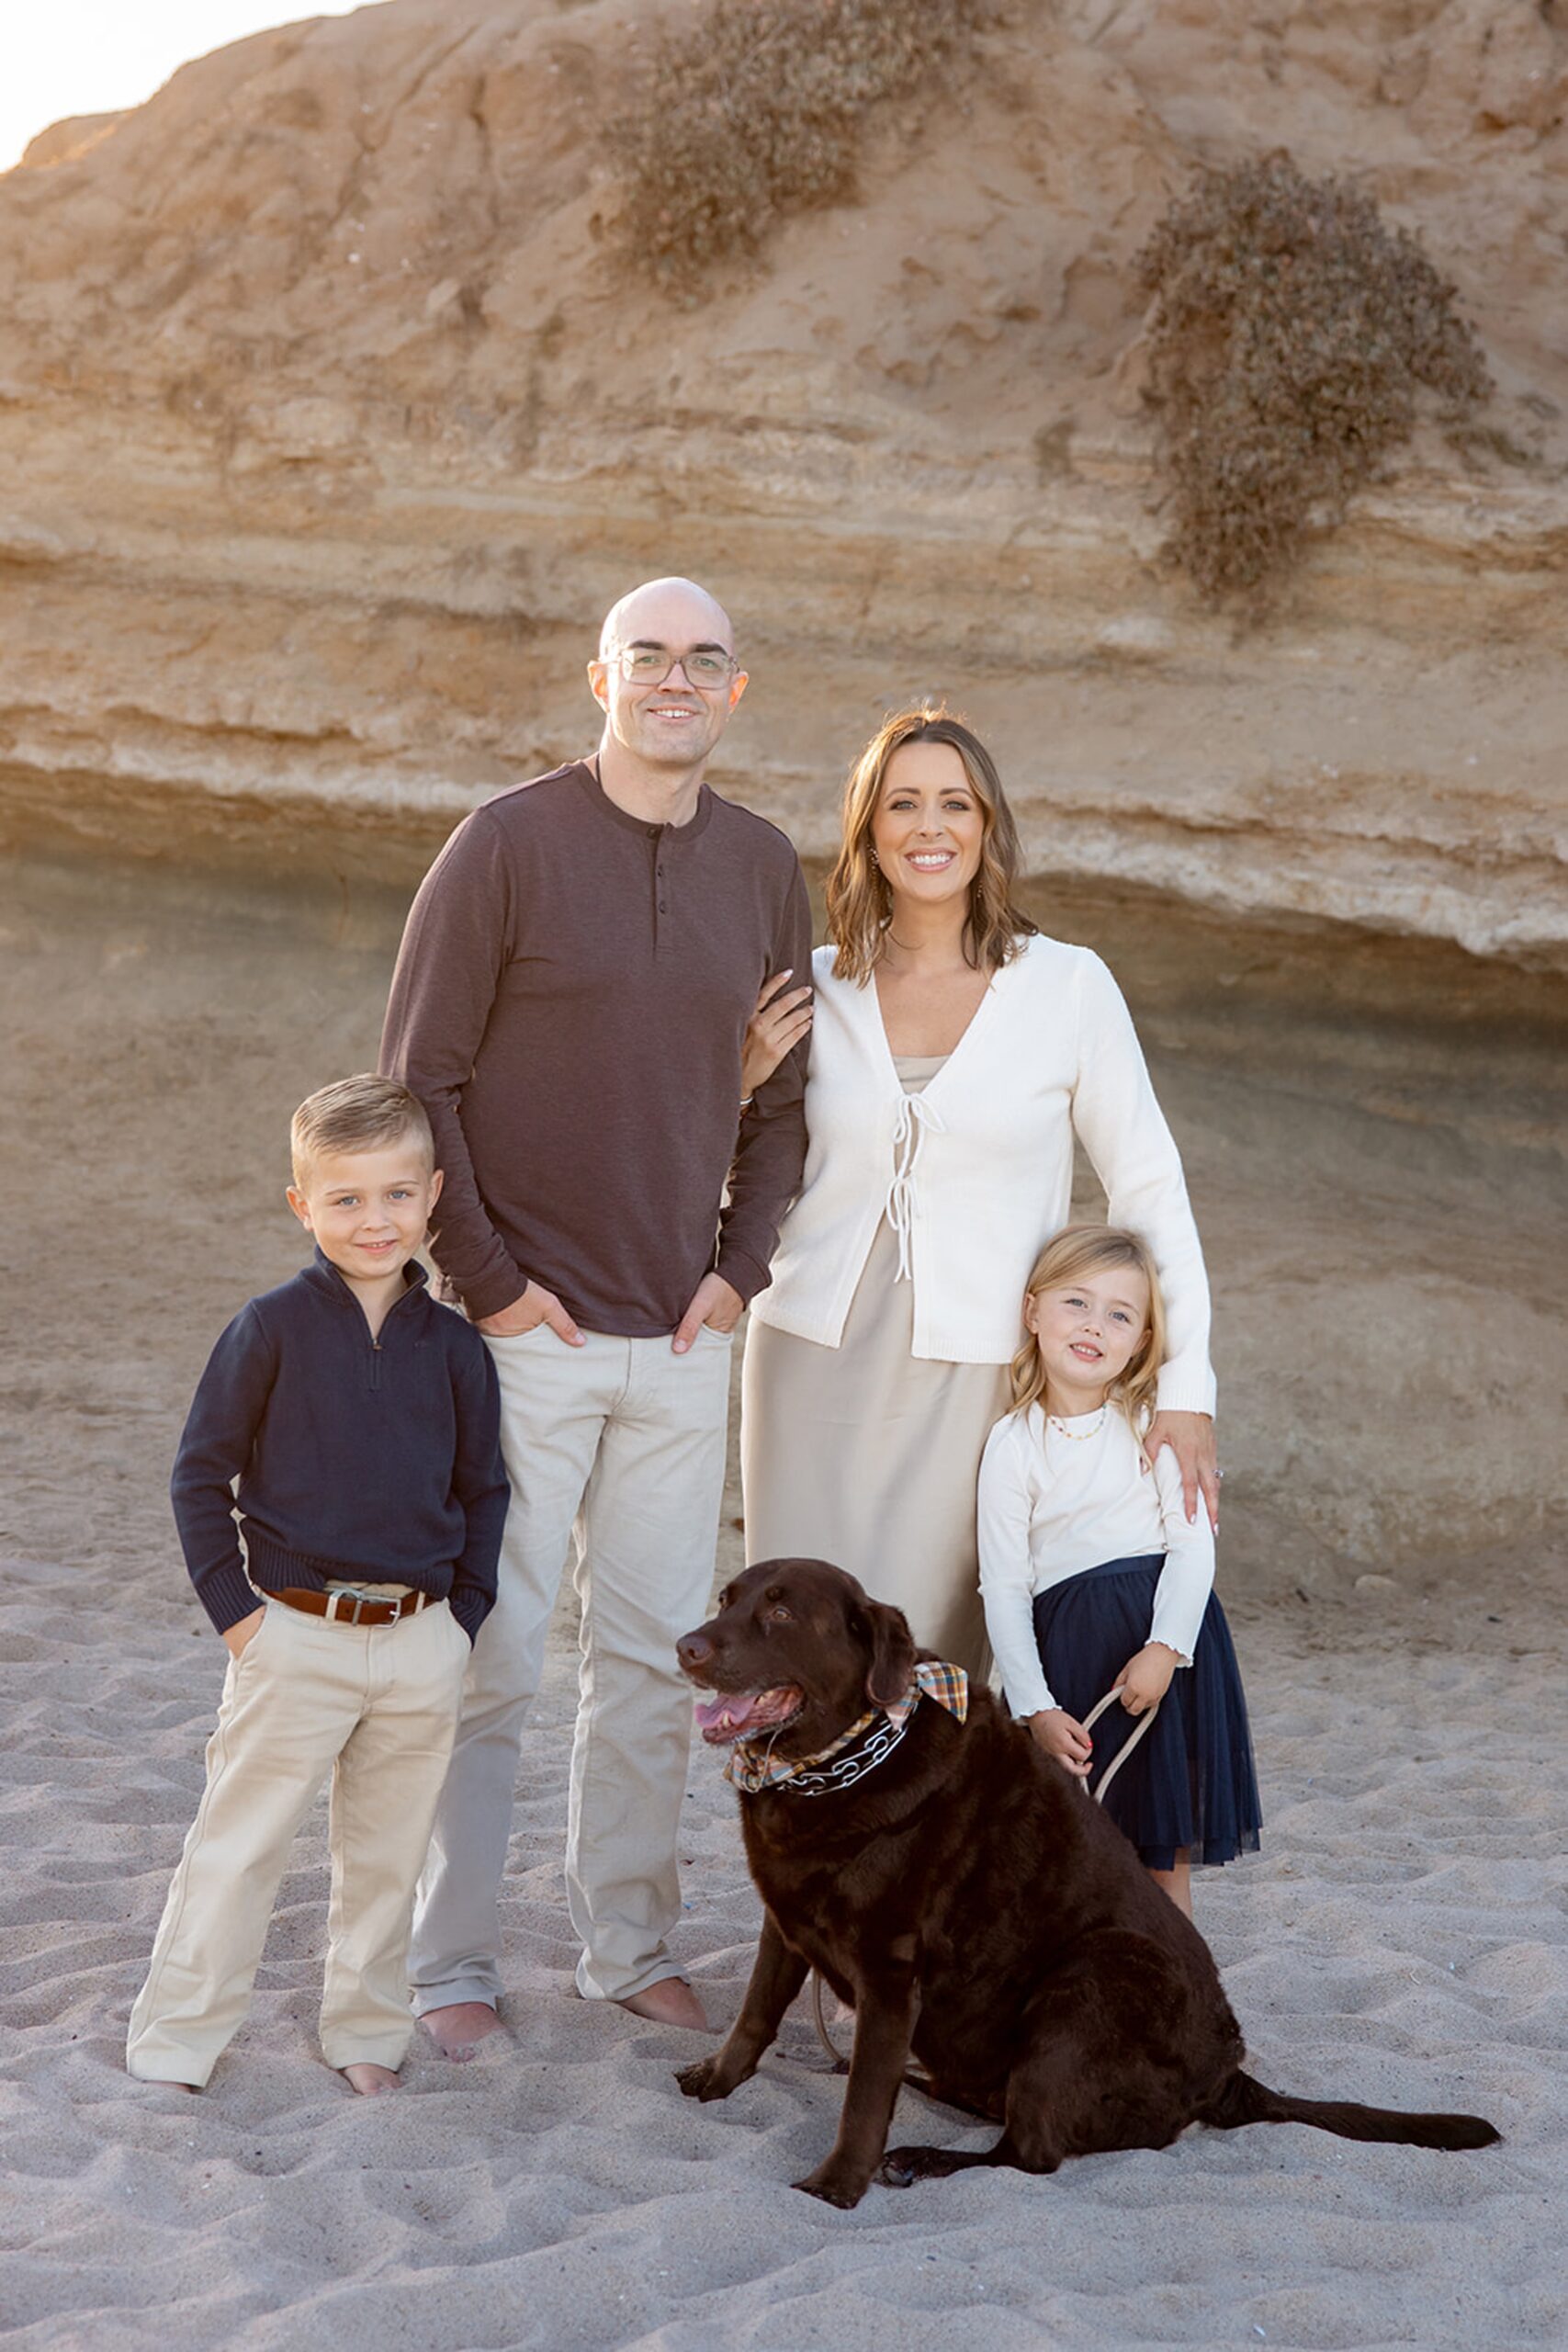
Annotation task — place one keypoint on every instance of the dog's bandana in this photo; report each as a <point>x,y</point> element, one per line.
<point>868,1743</point>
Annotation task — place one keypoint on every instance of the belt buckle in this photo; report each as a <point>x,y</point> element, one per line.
<point>408,1605</point>
<point>361,1600</point>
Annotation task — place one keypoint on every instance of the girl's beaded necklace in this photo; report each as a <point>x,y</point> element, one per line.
<point>1079,1437</point>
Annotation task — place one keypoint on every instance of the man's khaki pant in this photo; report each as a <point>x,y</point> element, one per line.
<point>622,1443</point>
<point>375,1706</point>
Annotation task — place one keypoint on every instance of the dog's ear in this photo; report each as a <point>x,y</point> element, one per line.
<point>892,1653</point>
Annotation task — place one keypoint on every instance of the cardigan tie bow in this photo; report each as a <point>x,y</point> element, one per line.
<point>915,1115</point>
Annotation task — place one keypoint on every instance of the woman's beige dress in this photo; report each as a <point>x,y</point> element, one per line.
<point>867,1455</point>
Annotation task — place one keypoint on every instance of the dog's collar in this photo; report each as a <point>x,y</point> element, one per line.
<point>868,1743</point>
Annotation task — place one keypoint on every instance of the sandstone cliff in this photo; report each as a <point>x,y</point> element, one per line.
<point>329,426</point>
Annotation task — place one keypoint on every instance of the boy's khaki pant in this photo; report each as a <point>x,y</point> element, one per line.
<point>622,1443</point>
<point>375,1706</point>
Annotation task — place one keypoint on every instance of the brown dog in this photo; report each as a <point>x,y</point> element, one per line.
<point>955,1884</point>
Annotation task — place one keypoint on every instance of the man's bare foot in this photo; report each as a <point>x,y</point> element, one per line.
<point>669,2002</point>
<point>459,2028</point>
<point>370,2081</point>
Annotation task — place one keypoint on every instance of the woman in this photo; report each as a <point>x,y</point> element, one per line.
<point>956,1052</point>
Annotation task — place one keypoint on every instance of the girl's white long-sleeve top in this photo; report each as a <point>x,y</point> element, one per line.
<point>1058,1497</point>
<point>976,1173</point>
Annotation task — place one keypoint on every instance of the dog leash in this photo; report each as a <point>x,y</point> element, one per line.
<point>1095,1713</point>
<point>841,2064</point>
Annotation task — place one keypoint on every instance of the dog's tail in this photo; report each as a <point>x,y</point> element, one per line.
<point>1243,2100</point>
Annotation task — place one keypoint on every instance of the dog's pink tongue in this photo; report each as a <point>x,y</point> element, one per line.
<point>711,1712</point>
<point>729,1714</point>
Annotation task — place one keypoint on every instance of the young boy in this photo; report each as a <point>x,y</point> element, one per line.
<point>361,1420</point>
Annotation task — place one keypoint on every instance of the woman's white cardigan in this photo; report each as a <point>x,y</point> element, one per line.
<point>976,1172</point>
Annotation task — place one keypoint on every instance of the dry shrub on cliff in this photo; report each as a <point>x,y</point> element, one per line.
<point>752,109</point>
<point>1291,335</point>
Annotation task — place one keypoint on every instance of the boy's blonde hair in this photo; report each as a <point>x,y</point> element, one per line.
<point>1080,1250</point>
<point>359,1114</point>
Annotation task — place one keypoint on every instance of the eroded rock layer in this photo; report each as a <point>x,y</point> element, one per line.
<point>329,425</point>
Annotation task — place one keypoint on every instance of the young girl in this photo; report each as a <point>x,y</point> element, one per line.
<point>1093,1577</point>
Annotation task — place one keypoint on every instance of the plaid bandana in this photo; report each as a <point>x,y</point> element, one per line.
<point>855,1752</point>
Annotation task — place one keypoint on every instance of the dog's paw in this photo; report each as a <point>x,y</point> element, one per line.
<point>833,2187</point>
<point>901,2167</point>
<point>697,2079</point>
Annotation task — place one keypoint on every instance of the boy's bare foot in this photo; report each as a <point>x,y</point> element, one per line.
<point>669,2002</point>
<point>368,2079</point>
<point>459,2028</point>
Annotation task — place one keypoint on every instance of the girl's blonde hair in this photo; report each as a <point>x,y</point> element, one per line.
<point>1080,1250</point>
<point>860,900</point>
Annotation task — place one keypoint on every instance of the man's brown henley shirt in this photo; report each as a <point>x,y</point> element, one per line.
<point>570,1004</point>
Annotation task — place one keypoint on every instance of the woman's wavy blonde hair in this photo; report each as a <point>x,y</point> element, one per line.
<point>860,901</point>
<point>1078,1251</point>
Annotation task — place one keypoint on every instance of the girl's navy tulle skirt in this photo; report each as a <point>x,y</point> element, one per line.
<point>1190,1782</point>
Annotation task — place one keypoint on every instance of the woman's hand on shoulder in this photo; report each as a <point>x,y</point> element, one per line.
<point>780,1020</point>
<point>1063,1736</point>
<point>1190,1437</point>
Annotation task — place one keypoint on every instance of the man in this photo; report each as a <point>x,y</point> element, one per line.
<point>570,1003</point>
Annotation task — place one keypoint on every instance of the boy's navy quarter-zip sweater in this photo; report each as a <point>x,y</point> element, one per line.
<point>368,1460</point>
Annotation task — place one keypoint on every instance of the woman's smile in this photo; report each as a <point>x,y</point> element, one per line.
<point>928,828</point>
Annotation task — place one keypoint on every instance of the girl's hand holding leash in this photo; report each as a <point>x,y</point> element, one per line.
<point>1145,1680</point>
<point>1063,1736</point>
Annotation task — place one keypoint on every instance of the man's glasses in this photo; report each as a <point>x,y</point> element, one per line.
<point>650,665</point>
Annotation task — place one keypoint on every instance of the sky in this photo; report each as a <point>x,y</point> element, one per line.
<point>91,56</point>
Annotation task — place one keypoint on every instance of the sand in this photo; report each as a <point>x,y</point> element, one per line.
<point>1401,1938</point>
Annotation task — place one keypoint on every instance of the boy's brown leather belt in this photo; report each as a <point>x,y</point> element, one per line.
<point>350,1608</point>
